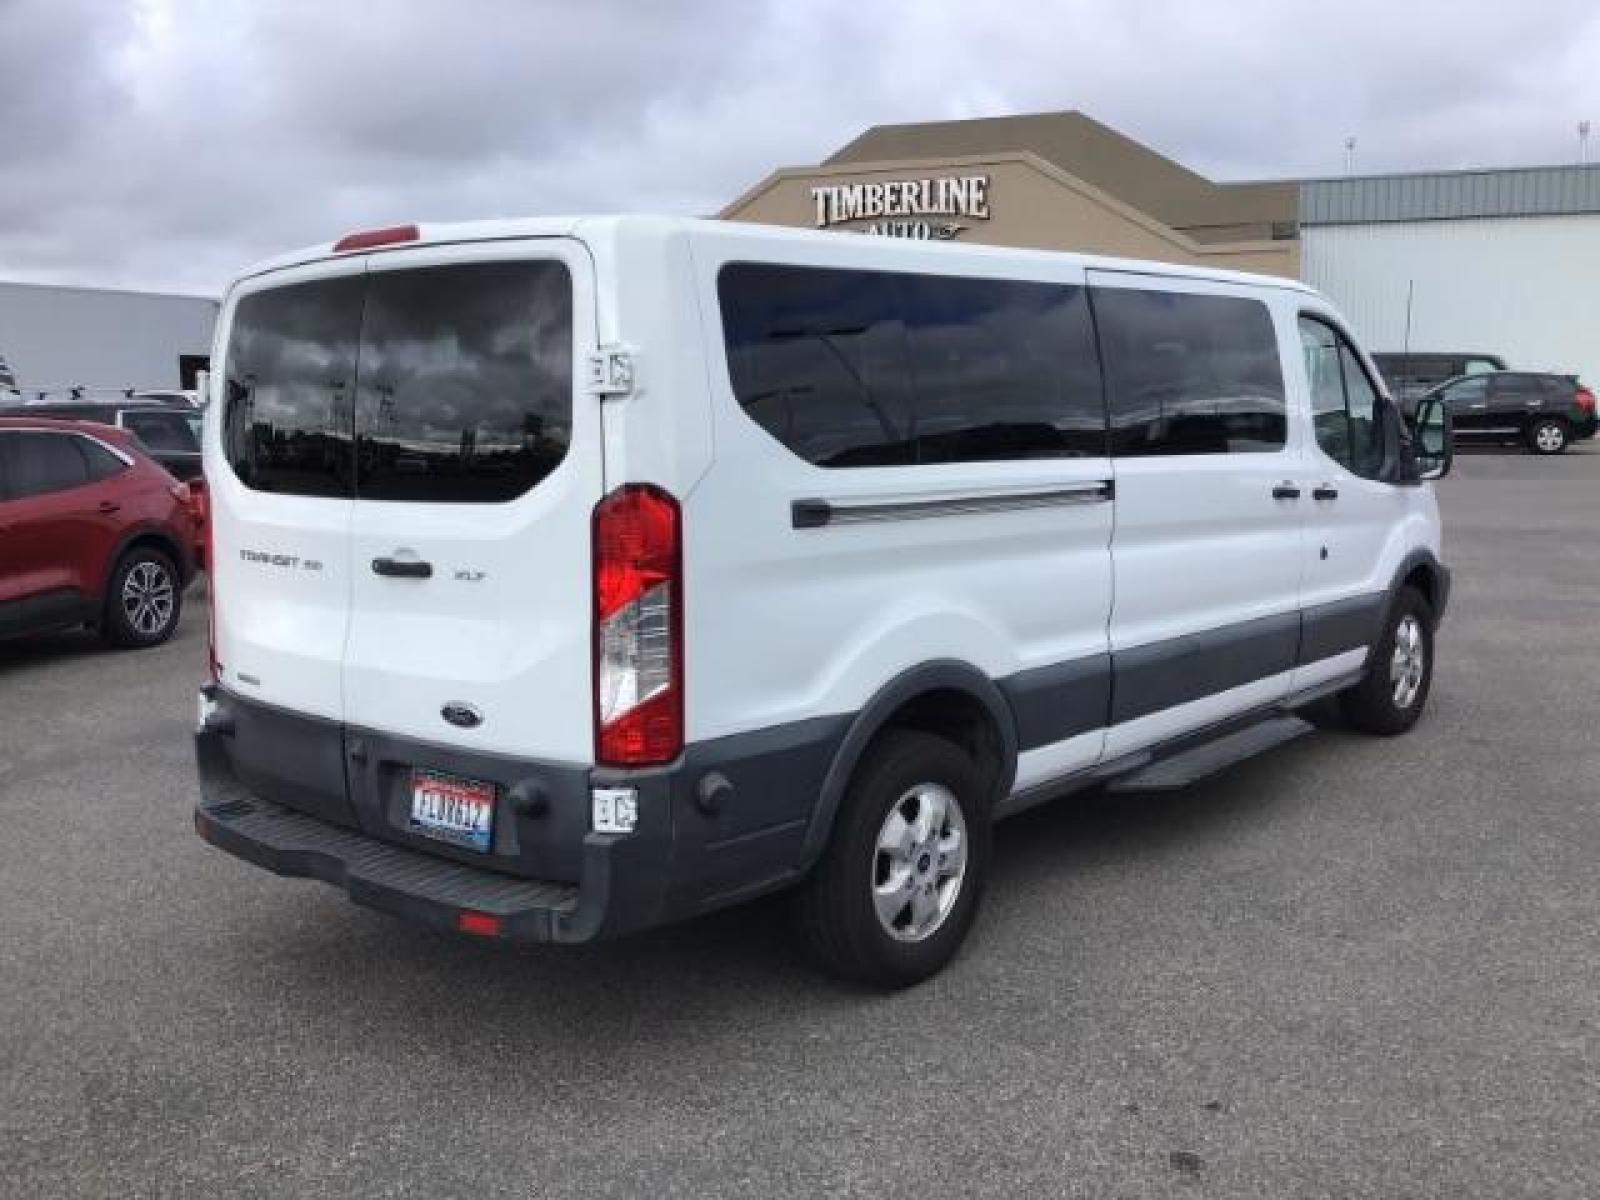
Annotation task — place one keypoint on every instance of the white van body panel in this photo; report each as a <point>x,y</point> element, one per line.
<point>786,623</point>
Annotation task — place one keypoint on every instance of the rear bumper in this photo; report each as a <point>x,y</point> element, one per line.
<point>681,860</point>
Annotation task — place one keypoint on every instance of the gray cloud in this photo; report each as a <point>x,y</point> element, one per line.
<point>169,142</point>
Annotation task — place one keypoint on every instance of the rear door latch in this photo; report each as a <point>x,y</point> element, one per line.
<point>611,370</point>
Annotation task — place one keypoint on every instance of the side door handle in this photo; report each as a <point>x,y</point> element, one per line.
<point>1286,491</point>
<point>107,507</point>
<point>402,568</point>
<point>1324,491</point>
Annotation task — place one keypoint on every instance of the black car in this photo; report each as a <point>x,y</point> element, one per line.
<point>168,432</point>
<point>1546,413</point>
<point>1411,373</point>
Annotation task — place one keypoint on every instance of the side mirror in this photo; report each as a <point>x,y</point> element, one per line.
<point>1433,436</point>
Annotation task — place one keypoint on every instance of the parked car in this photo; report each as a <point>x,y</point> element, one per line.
<point>92,532</point>
<point>168,432</point>
<point>1545,413</point>
<point>653,565</point>
<point>1410,374</point>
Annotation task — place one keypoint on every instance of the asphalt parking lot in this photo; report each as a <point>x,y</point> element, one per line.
<point>1350,968</point>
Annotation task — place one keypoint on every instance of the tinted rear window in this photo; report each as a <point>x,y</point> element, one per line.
<point>1190,374</point>
<point>444,384</point>
<point>868,368</point>
<point>291,371</point>
<point>162,432</point>
<point>465,381</point>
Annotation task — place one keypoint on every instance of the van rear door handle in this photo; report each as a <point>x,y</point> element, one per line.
<point>1324,491</point>
<point>1286,491</point>
<point>402,568</point>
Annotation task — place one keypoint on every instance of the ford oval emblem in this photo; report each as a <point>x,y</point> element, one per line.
<point>463,716</point>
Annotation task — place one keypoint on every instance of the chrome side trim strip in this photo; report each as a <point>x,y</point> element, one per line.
<point>814,513</point>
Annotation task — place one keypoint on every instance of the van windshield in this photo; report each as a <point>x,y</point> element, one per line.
<point>448,384</point>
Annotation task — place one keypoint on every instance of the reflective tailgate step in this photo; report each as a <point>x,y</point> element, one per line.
<point>1184,768</point>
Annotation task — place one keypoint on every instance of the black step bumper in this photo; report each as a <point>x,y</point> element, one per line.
<point>401,881</point>
<point>423,887</point>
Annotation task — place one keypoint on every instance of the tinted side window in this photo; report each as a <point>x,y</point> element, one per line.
<point>465,391</point>
<point>291,367</point>
<point>1190,374</point>
<point>40,463</point>
<point>1516,389</point>
<point>164,433</point>
<point>1001,370</point>
<point>867,368</point>
<point>102,463</point>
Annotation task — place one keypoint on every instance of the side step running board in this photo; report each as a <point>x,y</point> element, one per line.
<point>1182,769</point>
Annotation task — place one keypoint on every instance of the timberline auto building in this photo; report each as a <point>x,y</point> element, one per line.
<point>1500,261</point>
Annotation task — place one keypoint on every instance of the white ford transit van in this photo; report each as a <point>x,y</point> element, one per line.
<point>573,576</point>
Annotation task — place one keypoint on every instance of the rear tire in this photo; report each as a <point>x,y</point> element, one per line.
<point>1548,436</point>
<point>898,887</point>
<point>1391,696</point>
<point>144,599</point>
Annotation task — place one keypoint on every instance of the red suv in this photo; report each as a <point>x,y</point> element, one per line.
<point>92,532</point>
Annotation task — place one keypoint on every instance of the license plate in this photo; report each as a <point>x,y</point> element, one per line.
<point>452,809</point>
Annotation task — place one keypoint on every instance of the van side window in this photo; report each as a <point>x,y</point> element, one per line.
<point>874,368</point>
<point>1190,374</point>
<point>1344,404</point>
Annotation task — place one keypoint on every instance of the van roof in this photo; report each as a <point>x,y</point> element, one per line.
<point>608,227</point>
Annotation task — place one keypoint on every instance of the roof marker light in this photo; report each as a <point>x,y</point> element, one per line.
<point>369,239</point>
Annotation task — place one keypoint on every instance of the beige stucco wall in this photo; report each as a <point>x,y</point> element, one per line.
<point>1031,204</point>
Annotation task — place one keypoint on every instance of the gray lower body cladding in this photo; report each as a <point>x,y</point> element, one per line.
<point>308,797</point>
<point>728,820</point>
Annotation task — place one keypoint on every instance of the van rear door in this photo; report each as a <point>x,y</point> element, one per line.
<point>280,475</point>
<point>478,466</point>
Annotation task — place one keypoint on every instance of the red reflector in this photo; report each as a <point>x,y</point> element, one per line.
<point>481,924</point>
<point>367,239</point>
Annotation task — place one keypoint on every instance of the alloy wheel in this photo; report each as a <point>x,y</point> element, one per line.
<point>920,862</point>
<point>1407,666</point>
<point>147,598</point>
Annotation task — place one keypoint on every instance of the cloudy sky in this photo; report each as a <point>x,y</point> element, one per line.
<point>165,143</point>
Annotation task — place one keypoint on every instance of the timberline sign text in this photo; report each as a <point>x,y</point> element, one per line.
<point>901,207</point>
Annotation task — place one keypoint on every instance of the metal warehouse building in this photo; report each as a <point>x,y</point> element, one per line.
<point>1503,262</point>
<point>57,337</point>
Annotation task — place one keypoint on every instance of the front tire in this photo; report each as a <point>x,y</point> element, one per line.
<point>1548,436</point>
<point>898,887</point>
<point>1391,696</point>
<point>143,599</point>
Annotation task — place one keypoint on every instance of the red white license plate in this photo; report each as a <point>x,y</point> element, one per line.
<point>452,809</point>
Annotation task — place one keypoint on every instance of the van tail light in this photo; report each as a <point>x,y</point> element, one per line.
<point>638,627</point>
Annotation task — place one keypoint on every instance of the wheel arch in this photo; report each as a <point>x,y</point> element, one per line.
<point>949,698</point>
<point>156,537</point>
<point>1422,570</point>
